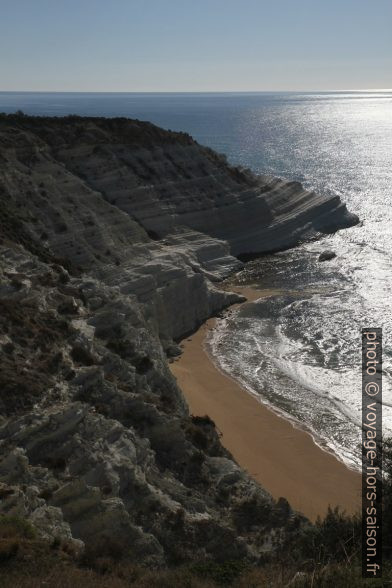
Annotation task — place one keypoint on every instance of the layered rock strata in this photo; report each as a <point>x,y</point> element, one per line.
<point>113,234</point>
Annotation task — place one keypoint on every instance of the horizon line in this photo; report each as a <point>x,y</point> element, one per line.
<point>192,91</point>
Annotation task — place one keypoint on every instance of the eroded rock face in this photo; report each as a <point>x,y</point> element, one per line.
<point>77,224</point>
<point>113,234</point>
<point>149,211</point>
<point>95,437</point>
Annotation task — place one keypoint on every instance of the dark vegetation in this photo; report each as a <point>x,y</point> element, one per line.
<point>36,337</point>
<point>13,228</point>
<point>321,555</point>
<point>131,130</point>
<point>324,555</point>
<point>327,554</point>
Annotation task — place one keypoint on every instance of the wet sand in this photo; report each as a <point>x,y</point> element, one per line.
<point>284,459</point>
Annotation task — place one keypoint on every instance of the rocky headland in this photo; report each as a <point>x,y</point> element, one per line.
<point>113,235</point>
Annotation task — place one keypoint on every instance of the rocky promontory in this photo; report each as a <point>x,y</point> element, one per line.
<point>113,235</point>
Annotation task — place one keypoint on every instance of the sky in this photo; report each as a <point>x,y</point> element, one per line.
<point>195,45</point>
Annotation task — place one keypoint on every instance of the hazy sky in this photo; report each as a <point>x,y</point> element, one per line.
<point>195,45</point>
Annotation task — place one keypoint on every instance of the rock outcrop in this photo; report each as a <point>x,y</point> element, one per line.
<point>327,255</point>
<point>96,443</point>
<point>113,234</point>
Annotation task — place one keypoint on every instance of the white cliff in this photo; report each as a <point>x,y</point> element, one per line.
<point>113,234</point>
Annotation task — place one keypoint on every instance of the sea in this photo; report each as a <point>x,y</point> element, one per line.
<point>297,350</point>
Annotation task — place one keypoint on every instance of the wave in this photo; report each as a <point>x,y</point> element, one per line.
<point>285,351</point>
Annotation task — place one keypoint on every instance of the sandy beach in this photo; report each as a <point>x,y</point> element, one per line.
<point>281,457</point>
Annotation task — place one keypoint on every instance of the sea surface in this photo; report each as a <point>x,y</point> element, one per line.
<point>300,350</point>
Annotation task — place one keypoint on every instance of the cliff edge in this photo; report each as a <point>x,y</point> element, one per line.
<point>112,234</point>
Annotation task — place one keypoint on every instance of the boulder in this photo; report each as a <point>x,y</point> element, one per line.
<point>326,255</point>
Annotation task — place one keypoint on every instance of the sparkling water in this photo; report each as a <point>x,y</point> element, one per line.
<point>299,351</point>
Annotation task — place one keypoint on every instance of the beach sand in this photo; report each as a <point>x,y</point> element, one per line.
<point>284,459</point>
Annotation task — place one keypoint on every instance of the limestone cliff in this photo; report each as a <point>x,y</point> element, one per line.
<point>112,234</point>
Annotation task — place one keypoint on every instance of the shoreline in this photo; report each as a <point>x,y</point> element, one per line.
<point>284,459</point>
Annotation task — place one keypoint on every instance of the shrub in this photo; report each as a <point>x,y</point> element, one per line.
<point>251,512</point>
<point>16,527</point>
<point>223,574</point>
<point>102,552</point>
<point>13,530</point>
<point>336,538</point>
